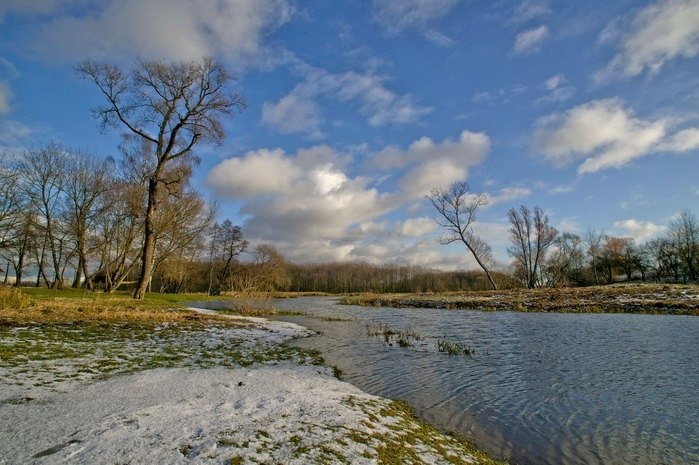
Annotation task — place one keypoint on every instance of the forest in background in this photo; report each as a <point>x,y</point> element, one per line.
<point>71,219</point>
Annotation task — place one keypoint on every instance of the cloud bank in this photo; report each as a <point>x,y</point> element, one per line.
<point>606,134</point>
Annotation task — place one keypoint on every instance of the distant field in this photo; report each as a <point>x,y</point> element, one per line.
<point>628,298</point>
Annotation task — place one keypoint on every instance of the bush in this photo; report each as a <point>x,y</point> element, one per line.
<point>12,298</point>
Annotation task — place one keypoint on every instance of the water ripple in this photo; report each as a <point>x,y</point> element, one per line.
<point>542,388</point>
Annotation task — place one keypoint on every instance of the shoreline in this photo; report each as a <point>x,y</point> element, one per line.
<point>628,298</point>
<point>279,408</point>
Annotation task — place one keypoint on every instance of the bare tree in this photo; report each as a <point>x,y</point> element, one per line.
<point>228,244</point>
<point>457,207</point>
<point>86,189</point>
<point>593,240</point>
<point>531,236</point>
<point>118,231</point>
<point>613,256</point>
<point>267,272</point>
<point>9,200</point>
<point>43,174</point>
<point>170,107</point>
<point>565,262</point>
<point>684,235</point>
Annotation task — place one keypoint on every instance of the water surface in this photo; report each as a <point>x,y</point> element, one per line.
<point>542,388</point>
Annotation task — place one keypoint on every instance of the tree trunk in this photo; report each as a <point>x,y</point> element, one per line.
<point>18,270</point>
<point>148,240</point>
<point>78,274</point>
<point>487,273</point>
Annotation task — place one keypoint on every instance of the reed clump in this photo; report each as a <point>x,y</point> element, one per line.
<point>453,348</point>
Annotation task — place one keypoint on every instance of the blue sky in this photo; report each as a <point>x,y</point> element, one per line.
<point>589,110</point>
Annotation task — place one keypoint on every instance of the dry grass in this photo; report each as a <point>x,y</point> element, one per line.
<point>19,307</point>
<point>629,298</point>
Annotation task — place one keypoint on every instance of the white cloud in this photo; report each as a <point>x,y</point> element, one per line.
<point>159,29</point>
<point>663,31</point>
<point>416,227</point>
<point>437,38</point>
<point>399,15</point>
<point>5,96</point>
<point>530,41</point>
<point>569,225</point>
<point>501,95</point>
<point>530,9</point>
<point>293,113</point>
<point>304,203</point>
<point>16,136</point>
<point>299,111</point>
<point>639,231</point>
<point>508,194</point>
<point>312,209</point>
<point>260,172</point>
<point>682,141</point>
<point>434,164</point>
<point>562,189</point>
<point>605,134</point>
<point>558,89</point>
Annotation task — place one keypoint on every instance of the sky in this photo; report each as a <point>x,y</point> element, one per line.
<point>357,109</point>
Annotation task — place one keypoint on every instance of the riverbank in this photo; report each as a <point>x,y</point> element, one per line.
<point>629,298</point>
<point>86,380</point>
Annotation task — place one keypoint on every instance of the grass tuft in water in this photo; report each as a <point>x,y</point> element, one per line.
<point>453,348</point>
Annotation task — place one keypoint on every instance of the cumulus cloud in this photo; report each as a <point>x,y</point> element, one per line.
<point>416,227</point>
<point>313,209</point>
<point>294,113</point>
<point>433,164</point>
<point>606,134</point>
<point>399,15</point>
<point>299,111</point>
<point>530,41</point>
<point>639,231</point>
<point>301,202</point>
<point>662,31</point>
<point>157,29</point>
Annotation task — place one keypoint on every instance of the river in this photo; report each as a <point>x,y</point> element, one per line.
<point>541,388</point>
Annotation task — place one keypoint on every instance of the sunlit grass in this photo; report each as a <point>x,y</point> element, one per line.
<point>630,298</point>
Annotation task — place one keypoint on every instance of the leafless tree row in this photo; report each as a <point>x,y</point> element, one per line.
<point>69,215</point>
<point>544,257</point>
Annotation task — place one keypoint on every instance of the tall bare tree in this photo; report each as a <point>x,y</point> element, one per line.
<point>86,189</point>
<point>457,207</point>
<point>531,236</point>
<point>593,240</point>
<point>170,107</point>
<point>43,174</point>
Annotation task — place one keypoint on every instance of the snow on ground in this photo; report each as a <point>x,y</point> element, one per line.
<point>271,412</point>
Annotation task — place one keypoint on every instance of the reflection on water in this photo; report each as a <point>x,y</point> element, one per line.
<point>541,388</point>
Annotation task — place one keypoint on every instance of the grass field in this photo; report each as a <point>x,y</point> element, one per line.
<point>629,298</point>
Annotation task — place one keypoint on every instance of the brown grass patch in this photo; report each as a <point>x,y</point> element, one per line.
<point>16,308</point>
<point>628,298</point>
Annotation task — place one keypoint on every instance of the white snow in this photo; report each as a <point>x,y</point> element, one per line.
<point>281,413</point>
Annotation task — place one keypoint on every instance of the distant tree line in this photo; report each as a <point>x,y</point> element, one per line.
<point>545,257</point>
